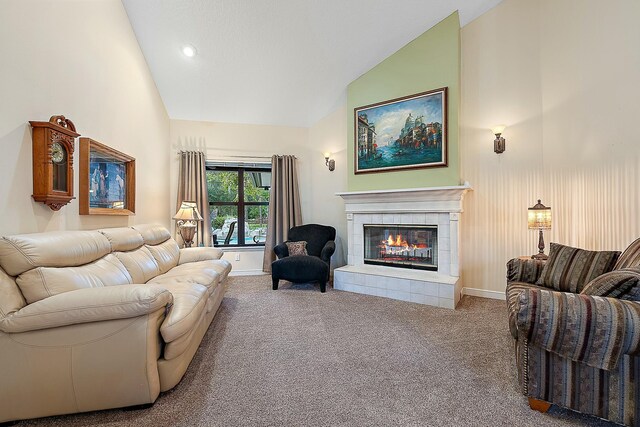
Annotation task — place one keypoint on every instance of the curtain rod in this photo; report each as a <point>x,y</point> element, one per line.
<point>244,157</point>
<point>235,157</point>
<point>251,157</point>
<point>225,157</point>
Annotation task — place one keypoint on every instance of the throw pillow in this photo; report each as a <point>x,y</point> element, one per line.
<point>622,284</point>
<point>570,269</point>
<point>630,257</point>
<point>297,248</point>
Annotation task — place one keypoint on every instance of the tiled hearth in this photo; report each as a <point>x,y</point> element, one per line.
<point>436,206</point>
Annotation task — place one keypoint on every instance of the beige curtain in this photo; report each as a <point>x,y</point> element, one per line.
<point>284,205</point>
<point>192,186</point>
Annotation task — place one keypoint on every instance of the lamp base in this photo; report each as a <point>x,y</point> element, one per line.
<point>187,232</point>
<point>540,255</point>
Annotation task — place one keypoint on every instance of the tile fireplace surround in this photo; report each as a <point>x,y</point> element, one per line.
<point>435,206</point>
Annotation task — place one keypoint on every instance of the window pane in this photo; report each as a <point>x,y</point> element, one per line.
<point>256,224</point>
<point>222,186</point>
<point>256,186</point>
<point>224,220</point>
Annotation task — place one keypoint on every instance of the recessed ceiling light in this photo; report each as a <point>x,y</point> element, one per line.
<point>189,51</point>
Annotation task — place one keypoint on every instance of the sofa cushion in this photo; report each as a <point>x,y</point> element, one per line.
<point>223,267</point>
<point>630,257</point>
<point>622,284</point>
<point>199,254</point>
<point>11,300</point>
<point>43,282</point>
<point>123,239</point>
<point>207,273</point>
<point>166,254</point>
<point>300,269</point>
<point>23,252</point>
<point>140,264</point>
<point>153,234</point>
<point>189,301</point>
<point>570,269</point>
<point>87,306</point>
<point>178,346</point>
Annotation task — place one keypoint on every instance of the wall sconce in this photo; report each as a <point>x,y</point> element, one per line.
<point>539,218</point>
<point>499,144</point>
<point>331,163</point>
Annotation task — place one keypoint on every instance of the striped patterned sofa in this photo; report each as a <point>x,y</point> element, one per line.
<point>578,344</point>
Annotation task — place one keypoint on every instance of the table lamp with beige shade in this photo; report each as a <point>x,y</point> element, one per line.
<point>539,218</point>
<point>188,218</point>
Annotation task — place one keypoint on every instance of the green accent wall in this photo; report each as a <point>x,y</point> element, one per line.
<point>431,61</point>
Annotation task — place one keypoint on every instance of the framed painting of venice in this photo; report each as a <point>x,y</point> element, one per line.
<point>403,133</point>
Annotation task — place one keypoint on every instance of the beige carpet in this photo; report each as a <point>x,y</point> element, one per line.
<point>296,357</point>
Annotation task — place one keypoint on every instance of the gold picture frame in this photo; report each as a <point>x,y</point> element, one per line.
<point>107,180</point>
<point>402,133</point>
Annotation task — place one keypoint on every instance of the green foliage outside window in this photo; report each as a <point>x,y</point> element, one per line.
<point>223,188</point>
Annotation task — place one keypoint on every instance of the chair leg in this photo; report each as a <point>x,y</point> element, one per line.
<point>323,286</point>
<point>539,405</point>
<point>275,283</point>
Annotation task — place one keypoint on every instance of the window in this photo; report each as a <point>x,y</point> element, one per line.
<point>239,203</point>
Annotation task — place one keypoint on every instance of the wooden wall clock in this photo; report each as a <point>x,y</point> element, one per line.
<point>53,145</point>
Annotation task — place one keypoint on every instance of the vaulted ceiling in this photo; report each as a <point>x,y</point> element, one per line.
<point>278,62</point>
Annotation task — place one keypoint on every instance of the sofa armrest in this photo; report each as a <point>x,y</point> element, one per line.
<point>592,330</point>
<point>199,254</point>
<point>327,251</point>
<point>525,270</point>
<point>281,250</point>
<point>88,305</point>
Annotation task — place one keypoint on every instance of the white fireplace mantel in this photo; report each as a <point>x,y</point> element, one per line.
<point>440,206</point>
<point>430,199</point>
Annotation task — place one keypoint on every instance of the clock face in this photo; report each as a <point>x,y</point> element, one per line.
<point>58,153</point>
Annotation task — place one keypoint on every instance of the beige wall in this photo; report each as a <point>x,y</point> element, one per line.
<point>329,134</point>
<point>226,141</point>
<point>80,59</point>
<point>562,76</point>
<point>430,61</point>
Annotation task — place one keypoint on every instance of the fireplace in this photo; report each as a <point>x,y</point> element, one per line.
<point>404,246</point>
<point>417,229</point>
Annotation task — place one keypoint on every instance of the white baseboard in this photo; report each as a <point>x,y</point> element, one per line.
<point>247,273</point>
<point>484,293</point>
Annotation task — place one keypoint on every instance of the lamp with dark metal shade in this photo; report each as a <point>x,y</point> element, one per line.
<point>188,218</point>
<point>539,218</point>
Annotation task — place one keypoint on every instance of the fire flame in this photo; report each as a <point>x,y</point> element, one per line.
<point>399,241</point>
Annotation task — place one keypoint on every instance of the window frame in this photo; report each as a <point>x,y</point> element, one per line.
<point>241,203</point>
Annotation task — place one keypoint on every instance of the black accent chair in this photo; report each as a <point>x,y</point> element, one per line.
<point>313,267</point>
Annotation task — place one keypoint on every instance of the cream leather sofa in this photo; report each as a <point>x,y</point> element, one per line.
<point>101,319</point>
